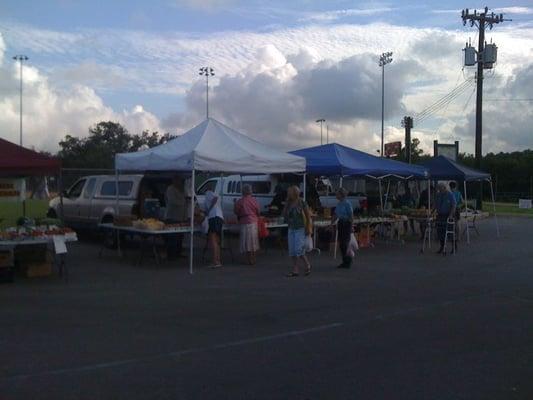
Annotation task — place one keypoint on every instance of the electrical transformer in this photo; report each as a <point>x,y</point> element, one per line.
<point>470,56</point>
<point>490,55</point>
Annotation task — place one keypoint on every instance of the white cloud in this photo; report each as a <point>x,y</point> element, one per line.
<point>506,122</point>
<point>2,49</point>
<point>328,16</point>
<point>204,5</point>
<point>271,84</point>
<point>278,103</point>
<point>51,112</point>
<point>514,10</point>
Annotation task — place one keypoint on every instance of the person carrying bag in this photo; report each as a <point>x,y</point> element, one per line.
<point>344,214</point>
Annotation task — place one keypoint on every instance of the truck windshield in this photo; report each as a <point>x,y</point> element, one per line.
<point>209,185</point>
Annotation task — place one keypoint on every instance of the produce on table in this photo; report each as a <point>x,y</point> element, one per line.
<point>150,224</point>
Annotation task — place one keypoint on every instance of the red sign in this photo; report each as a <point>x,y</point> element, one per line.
<point>393,149</point>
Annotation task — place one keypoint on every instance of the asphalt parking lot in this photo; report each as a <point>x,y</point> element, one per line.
<point>399,325</point>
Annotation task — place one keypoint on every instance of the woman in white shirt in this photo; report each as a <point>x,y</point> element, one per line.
<point>215,218</point>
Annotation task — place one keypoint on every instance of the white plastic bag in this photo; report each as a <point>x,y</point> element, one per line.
<point>205,225</point>
<point>353,246</point>
<point>308,246</point>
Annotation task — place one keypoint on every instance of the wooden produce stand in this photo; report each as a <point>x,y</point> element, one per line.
<point>34,250</point>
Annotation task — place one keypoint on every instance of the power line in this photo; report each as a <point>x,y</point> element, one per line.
<point>508,99</point>
<point>443,102</point>
<point>464,108</point>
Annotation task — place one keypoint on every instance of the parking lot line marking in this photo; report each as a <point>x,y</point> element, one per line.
<point>174,354</point>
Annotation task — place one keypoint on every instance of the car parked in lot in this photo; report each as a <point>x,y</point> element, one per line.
<point>91,200</point>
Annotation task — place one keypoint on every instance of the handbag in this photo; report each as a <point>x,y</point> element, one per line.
<point>353,246</point>
<point>308,246</point>
<point>262,230</point>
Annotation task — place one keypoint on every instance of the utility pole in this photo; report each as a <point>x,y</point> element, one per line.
<point>327,134</point>
<point>20,58</point>
<point>384,59</point>
<point>407,123</point>
<point>481,20</point>
<point>321,120</point>
<point>207,72</point>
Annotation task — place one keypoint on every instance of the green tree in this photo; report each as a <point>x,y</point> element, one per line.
<point>105,139</point>
<point>417,154</point>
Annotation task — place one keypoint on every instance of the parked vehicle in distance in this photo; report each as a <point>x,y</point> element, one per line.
<point>91,200</point>
<point>264,187</point>
<point>328,197</point>
<point>229,188</point>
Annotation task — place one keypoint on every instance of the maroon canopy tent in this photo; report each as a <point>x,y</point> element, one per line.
<point>16,160</point>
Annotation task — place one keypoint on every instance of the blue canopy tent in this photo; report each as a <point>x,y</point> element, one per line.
<point>335,159</point>
<point>444,168</point>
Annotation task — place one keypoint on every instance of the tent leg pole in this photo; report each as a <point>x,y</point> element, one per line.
<point>191,244</point>
<point>60,186</point>
<point>117,210</point>
<point>467,228</point>
<point>388,190</point>
<point>494,209</point>
<point>305,186</point>
<point>429,214</point>
<point>380,196</point>
<point>340,182</point>
<point>222,206</point>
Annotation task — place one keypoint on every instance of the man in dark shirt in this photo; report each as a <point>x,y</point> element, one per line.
<point>445,209</point>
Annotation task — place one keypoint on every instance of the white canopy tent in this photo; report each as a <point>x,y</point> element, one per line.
<point>210,146</point>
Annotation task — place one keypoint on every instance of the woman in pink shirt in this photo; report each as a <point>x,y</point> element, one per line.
<point>247,211</point>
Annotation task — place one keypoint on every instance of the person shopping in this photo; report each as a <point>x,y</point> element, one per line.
<point>344,216</point>
<point>247,211</point>
<point>445,209</point>
<point>459,204</point>
<point>298,219</point>
<point>175,211</point>
<point>215,219</point>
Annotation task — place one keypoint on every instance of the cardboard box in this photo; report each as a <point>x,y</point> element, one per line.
<point>6,259</point>
<point>35,270</point>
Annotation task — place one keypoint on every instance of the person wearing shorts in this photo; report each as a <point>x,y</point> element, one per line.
<point>298,219</point>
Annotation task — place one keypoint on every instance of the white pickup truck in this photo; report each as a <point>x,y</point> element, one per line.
<point>328,199</point>
<point>263,187</point>
<point>229,188</point>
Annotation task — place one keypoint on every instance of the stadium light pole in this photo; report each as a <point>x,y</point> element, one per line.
<point>20,58</point>
<point>384,59</point>
<point>321,120</point>
<point>207,72</point>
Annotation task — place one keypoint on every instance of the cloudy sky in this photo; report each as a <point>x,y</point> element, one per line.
<point>279,66</point>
